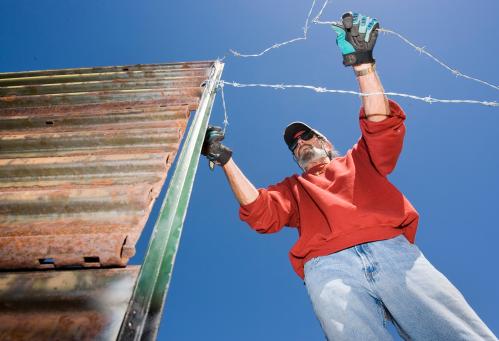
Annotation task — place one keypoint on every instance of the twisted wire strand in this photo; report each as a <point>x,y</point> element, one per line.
<point>226,117</point>
<point>427,99</point>
<point>319,14</point>
<point>316,20</point>
<point>421,50</point>
<point>277,45</point>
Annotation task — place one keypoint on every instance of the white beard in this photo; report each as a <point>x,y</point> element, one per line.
<point>311,154</point>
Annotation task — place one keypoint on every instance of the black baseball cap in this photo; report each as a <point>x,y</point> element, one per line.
<point>292,129</point>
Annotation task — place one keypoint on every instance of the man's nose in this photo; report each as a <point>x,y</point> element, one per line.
<point>300,142</point>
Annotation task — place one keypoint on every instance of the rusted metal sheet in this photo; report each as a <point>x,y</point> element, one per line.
<point>83,155</point>
<point>64,305</point>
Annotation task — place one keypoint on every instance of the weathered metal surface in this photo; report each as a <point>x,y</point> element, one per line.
<point>83,155</point>
<point>64,305</point>
<point>144,311</point>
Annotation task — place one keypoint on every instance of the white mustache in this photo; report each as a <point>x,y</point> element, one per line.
<point>310,154</point>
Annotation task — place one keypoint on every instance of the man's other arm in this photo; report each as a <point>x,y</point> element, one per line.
<point>265,210</point>
<point>243,189</point>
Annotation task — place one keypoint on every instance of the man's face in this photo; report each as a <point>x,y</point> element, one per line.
<point>311,150</point>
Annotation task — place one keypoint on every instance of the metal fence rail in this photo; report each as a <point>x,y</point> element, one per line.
<point>143,316</point>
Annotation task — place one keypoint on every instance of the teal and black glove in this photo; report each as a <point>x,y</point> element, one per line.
<point>213,149</point>
<point>356,37</point>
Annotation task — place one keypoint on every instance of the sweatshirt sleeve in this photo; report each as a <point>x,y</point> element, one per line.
<point>274,208</point>
<point>383,140</point>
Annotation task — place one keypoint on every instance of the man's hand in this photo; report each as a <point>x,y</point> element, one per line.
<point>356,37</point>
<point>213,149</point>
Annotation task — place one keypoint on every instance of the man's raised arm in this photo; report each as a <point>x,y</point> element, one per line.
<point>381,120</point>
<point>356,37</point>
<point>375,106</point>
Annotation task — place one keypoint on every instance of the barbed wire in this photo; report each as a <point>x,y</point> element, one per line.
<point>316,20</point>
<point>220,85</point>
<point>456,72</point>
<point>318,89</point>
<point>277,45</point>
<point>421,50</point>
<point>427,99</point>
<point>319,14</point>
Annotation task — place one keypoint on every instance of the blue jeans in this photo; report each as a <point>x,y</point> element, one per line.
<point>355,292</point>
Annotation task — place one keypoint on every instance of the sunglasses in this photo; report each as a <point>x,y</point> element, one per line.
<point>307,135</point>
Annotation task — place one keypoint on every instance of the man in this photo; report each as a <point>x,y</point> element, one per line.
<point>356,249</point>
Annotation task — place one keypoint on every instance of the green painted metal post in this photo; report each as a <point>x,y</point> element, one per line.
<point>144,312</point>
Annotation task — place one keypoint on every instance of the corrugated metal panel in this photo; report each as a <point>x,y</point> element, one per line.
<point>83,154</point>
<point>64,305</point>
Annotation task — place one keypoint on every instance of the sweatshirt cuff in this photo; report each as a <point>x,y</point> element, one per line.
<point>245,211</point>
<point>397,116</point>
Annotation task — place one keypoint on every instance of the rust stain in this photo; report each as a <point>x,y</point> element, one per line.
<point>64,305</point>
<point>83,156</point>
<point>10,98</point>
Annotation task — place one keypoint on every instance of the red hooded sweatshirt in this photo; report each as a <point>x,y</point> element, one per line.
<point>350,202</point>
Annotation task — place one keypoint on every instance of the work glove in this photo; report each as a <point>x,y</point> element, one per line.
<point>215,151</point>
<point>356,37</point>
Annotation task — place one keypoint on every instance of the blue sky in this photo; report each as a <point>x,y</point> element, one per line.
<point>229,282</point>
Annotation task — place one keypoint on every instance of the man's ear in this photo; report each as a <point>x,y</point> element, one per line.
<point>328,146</point>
